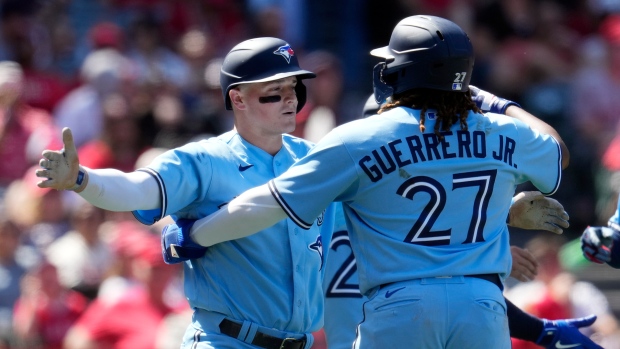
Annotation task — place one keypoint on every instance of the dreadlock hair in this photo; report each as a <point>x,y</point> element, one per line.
<point>451,106</point>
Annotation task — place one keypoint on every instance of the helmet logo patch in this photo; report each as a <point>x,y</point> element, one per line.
<point>457,86</point>
<point>285,51</point>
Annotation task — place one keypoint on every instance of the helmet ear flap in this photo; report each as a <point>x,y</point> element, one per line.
<point>300,91</point>
<point>381,88</point>
<point>227,101</point>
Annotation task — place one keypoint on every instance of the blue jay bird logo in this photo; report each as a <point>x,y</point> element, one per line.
<point>285,51</point>
<point>318,247</point>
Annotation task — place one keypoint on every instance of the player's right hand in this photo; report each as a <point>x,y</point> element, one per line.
<point>176,243</point>
<point>524,265</point>
<point>596,244</point>
<point>488,102</point>
<point>60,168</point>
<point>565,334</point>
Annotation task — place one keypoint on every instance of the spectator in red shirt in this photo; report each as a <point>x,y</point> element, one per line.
<point>132,320</point>
<point>45,310</point>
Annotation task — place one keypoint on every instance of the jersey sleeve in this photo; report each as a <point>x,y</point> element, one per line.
<point>540,159</point>
<point>326,174</point>
<point>183,175</point>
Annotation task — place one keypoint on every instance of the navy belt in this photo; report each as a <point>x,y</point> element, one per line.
<point>263,340</point>
<point>493,278</point>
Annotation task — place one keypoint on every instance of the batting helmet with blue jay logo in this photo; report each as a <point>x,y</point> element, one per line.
<point>260,60</point>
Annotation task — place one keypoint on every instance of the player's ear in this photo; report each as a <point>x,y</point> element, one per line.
<point>237,98</point>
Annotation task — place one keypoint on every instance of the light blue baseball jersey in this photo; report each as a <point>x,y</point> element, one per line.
<point>272,278</point>
<point>419,206</point>
<point>343,300</point>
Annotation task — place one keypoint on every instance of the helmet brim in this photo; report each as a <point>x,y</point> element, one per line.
<point>302,74</point>
<point>383,52</point>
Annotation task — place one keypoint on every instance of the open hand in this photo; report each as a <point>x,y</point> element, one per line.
<point>524,265</point>
<point>61,168</point>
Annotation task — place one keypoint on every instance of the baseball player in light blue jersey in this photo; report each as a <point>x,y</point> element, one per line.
<point>602,244</point>
<point>262,291</point>
<point>426,211</point>
<point>343,301</point>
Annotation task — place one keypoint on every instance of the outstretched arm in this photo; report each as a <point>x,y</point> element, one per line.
<point>249,213</point>
<point>109,189</point>
<point>257,209</point>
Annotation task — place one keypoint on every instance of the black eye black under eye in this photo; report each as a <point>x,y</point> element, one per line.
<point>270,99</point>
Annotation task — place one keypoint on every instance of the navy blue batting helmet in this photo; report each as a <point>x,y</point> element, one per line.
<point>424,52</point>
<point>261,60</point>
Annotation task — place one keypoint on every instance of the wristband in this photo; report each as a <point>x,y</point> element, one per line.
<point>81,181</point>
<point>523,325</point>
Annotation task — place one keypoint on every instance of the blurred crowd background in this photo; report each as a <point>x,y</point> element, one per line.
<point>133,78</point>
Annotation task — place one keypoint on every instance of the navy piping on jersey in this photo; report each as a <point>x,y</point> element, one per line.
<point>557,183</point>
<point>289,212</point>
<point>162,191</point>
<point>196,339</point>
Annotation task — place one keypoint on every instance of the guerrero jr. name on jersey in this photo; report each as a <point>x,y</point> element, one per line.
<point>428,147</point>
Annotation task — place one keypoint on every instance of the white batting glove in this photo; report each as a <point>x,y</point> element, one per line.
<point>61,168</point>
<point>534,211</point>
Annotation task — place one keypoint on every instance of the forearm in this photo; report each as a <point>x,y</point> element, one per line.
<point>115,190</point>
<point>523,325</point>
<point>251,212</point>
<point>537,124</point>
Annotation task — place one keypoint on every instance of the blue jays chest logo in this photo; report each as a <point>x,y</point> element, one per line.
<point>318,247</point>
<point>285,51</point>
